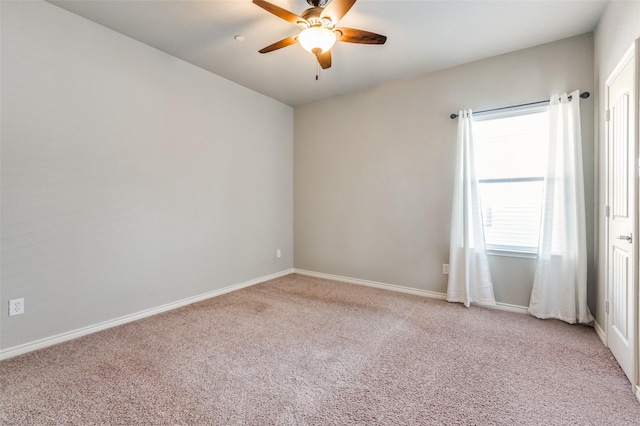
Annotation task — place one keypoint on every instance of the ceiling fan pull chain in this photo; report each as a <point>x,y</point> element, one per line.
<point>317,69</point>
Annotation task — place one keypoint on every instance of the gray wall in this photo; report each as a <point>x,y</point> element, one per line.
<point>130,179</point>
<point>373,170</point>
<point>616,32</point>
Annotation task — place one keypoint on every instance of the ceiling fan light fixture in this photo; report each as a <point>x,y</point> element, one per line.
<point>317,38</point>
<point>318,32</point>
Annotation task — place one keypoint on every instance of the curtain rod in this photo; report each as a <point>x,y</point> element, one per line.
<point>583,95</point>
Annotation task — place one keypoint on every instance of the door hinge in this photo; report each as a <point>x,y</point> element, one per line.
<point>607,115</point>
<point>606,306</point>
<point>606,211</point>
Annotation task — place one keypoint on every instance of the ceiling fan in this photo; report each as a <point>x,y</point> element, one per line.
<point>318,31</point>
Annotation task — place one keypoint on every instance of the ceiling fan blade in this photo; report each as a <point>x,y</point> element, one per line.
<point>350,35</point>
<point>279,44</point>
<point>324,59</point>
<point>337,9</point>
<point>279,12</point>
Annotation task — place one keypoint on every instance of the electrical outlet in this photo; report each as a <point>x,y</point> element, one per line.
<point>445,268</point>
<point>278,253</point>
<point>16,307</point>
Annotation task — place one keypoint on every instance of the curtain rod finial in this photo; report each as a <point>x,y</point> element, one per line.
<point>453,116</point>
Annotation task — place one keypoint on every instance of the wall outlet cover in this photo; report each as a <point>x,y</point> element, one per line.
<point>16,307</point>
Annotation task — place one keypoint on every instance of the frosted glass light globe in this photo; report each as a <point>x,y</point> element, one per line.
<point>314,38</point>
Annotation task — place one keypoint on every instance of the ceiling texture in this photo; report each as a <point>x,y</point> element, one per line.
<point>423,36</point>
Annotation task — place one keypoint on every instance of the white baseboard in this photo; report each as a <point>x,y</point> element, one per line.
<point>74,334</point>
<point>384,286</point>
<point>600,332</point>
<point>511,308</point>
<point>402,289</point>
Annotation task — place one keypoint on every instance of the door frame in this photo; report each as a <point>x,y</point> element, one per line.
<point>633,54</point>
<point>636,302</point>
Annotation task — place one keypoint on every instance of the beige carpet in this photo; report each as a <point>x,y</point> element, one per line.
<point>299,350</point>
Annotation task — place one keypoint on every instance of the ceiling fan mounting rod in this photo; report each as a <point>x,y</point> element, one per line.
<point>317,3</point>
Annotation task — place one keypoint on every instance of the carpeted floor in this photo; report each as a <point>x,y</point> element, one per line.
<point>300,350</point>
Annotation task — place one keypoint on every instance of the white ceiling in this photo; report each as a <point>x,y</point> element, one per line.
<point>423,36</point>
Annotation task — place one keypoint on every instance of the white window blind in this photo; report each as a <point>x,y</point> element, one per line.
<point>511,155</point>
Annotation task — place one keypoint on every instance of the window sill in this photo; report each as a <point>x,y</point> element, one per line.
<point>509,253</point>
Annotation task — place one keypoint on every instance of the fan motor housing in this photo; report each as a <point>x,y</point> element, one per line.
<point>312,16</point>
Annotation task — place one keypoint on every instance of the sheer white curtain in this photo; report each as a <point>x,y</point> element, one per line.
<point>560,283</point>
<point>469,276</point>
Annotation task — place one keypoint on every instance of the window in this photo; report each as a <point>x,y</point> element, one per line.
<point>511,151</point>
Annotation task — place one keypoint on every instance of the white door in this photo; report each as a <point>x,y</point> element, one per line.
<point>622,239</point>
